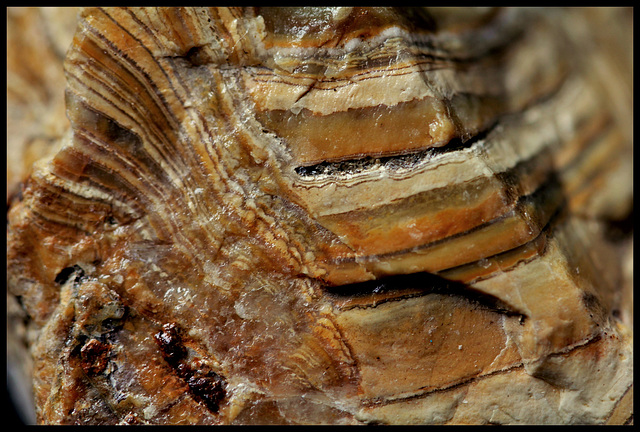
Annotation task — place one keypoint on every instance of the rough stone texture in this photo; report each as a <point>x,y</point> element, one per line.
<point>322,215</point>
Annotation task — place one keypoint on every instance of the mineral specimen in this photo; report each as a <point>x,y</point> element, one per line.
<point>333,216</point>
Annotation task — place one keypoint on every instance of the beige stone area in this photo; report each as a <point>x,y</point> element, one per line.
<point>37,41</point>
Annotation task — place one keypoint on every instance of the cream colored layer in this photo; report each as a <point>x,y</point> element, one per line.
<point>270,91</point>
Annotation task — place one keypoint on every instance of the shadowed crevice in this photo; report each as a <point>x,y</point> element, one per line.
<point>399,287</point>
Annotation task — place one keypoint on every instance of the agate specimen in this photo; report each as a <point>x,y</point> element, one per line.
<point>333,216</point>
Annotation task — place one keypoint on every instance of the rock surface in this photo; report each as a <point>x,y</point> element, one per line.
<point>327,216</point>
